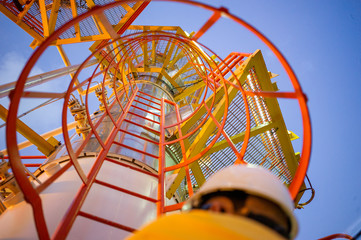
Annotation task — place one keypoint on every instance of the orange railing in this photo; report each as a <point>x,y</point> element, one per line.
<point>128,95</point>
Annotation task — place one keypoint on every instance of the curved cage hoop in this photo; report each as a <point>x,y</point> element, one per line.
<point>221,80</point>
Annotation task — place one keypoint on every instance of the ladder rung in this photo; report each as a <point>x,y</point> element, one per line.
<point>146,111</point>
<point>148,99</point>
<point>145,127</point>
<point>135,150</point>
<point>143,117</point>
<point>131,167</point>
<point>146,104</point>
<point>135,135</point>
<point>148,95</point>
<point>106,221</point>
<point>125,191</point>
<point>174,207</point>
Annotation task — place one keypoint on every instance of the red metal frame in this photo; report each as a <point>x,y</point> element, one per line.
<point>136,150</point>
<point>336,236</point>
<point>64,228</point>
<point>131,167</point>
<point>146,111</point>
<point>150,120</point>
<point>135,135</point>
<point>105,221</point>
<point>125,191</point>
<point>161,163</point>
<point>145,127</point>
<point>147,104</point>
<point>32,195</point>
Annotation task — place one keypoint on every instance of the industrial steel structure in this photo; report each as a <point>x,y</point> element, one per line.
<point>146,118</point>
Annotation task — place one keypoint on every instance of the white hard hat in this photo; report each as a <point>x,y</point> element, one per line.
<point>252,180</point>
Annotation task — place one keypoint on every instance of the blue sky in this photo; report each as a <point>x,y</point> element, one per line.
<point>322,41</point>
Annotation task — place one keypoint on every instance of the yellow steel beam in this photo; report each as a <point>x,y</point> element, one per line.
<point>189,76</point>
<point>49,134</point>
<point>197,95</point>
<point>152,69</point>
<point>153,53</point>
<point>91,4</point>
<point>67,63</point>
<point>275,111</point>
<point>24,26</point>
<point>201,139</point>
<point>44,18</point>
<point>180,31</point>
<point>127,16</point>
<point>106,26</point>
<point>97,26</point>
<point>82,39</point>
<point>44,146</point>
<point>116,51</point>
<point>25,11</point>
<point>127,7</point>
<point>75,14</point>
<point>145,54</point>
<point>209,126</point>
<point>176,59</point>
<point>241,73</point>
<point>240,137</point>
<point>189,91</point>
<point>53,15</point>
<point>181,53</point>
<point>153,28</point>
<point>169,78</point>
<point>181,71</point>
<point>115,28</point>
<point>169,50</point>
<point>102,21</point>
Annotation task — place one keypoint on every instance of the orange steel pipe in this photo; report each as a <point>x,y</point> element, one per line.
<point>212,20</point>
<point>173,207</point>
<point>337,235</point>
<point>148,99</point>
<point>135,135</point>
<point>145,127</point>
<point>150,120</point>
<point>125,191</point>
<point>32,164</point>
<point>135,150</point>
<point>161,162</point>
<point>131,167</point>
<point>146,111</point>
<point>106,221</point>
<point>147,104</point>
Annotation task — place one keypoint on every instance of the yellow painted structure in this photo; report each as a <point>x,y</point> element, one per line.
<point>47,147</point>
<point>178,73</point>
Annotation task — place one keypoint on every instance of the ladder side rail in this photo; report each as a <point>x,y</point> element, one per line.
<point>68,220</point>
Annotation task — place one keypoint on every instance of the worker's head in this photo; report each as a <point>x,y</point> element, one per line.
<point>248,191</point>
